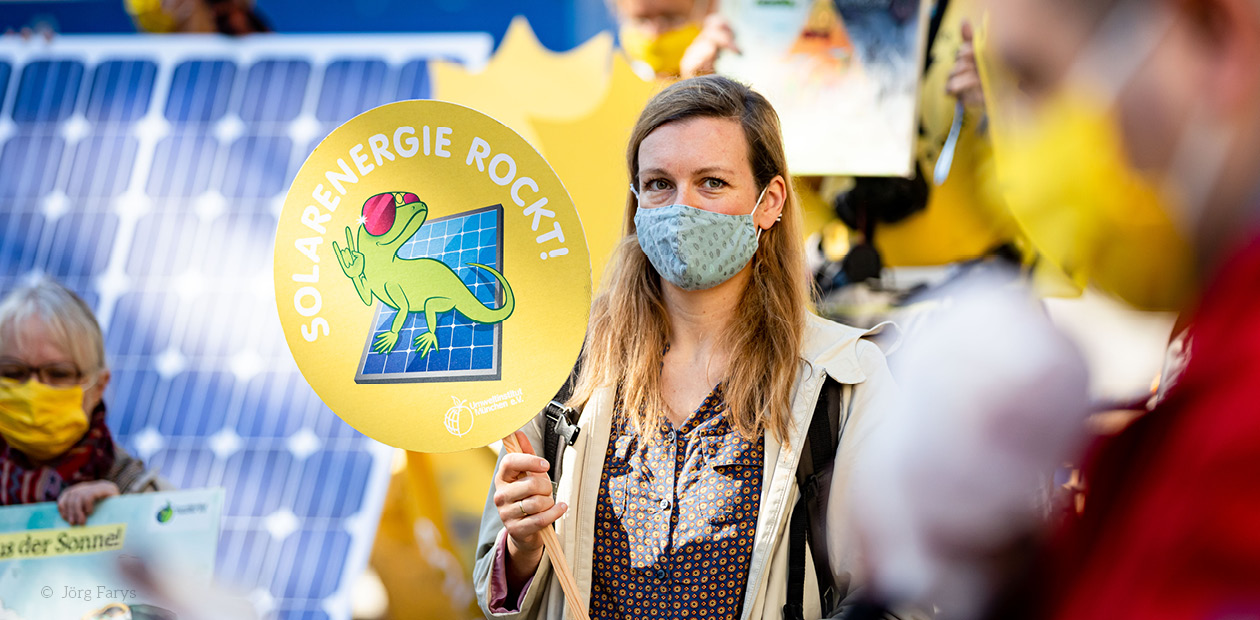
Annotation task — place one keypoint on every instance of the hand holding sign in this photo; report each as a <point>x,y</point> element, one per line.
<point>522,494</point>
<point>546,534</point>
<point>78,501</point>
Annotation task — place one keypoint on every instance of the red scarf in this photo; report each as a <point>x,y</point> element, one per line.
<point>24,482</point>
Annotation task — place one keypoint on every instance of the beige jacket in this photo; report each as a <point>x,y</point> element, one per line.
<point>844,353</point>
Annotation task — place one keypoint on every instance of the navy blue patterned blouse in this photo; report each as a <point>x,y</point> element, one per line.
<point>675,519</point>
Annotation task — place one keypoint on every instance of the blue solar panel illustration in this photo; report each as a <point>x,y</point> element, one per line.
<point>466,350</point>
<point>146,174</point>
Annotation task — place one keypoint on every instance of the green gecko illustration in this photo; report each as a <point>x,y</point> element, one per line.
<point>407,285</point>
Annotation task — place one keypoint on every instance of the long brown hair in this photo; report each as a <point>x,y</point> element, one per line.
<point>629,327</point>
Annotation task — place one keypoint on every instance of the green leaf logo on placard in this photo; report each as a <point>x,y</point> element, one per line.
<point>164,515</point>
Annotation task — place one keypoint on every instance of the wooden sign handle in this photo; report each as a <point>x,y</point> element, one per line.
<point>551,544</point>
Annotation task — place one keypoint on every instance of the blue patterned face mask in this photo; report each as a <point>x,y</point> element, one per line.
<point>696,249</point>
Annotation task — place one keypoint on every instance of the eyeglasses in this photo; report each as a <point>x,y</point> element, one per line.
<point>60,374</point>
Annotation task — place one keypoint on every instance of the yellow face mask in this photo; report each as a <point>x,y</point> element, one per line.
<point>663,52</point>
<point>150,16</point>
<point>1068,183</point>
<point>41,421</point>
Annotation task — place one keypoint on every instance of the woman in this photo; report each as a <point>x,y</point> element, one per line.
<point>665,39</point>
<point>54,444</point>
<point>699,376</point>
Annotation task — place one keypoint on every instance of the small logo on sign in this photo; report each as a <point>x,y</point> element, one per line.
<point>459,419</point>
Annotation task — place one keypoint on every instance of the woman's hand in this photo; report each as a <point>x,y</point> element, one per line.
<point>964,78</point>
<point>77,502</point>
<point>522,493</point>
<point>701,56</point>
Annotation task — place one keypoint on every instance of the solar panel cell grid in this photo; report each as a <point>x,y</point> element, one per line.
<point>6,70</point>
<point>465,348</point>
<point>274,91</point>
<point>350,87</point>
<point>121,91</point>
<point>30,163</point>
<point>48,91</point>
<point>257,167</point>
<point>19,238</point>
<point>101,166</point>
<point>199,91</point>
<point>85,241</point>
<point>147,176</point>
<point>182,165</point>
<point>413,81</point>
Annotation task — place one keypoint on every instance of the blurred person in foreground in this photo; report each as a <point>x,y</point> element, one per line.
<point>1135,159</point>
<point>1169,527</point>
<point>54,444</point>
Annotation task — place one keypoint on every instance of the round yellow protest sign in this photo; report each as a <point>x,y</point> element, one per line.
<point>432,276</point>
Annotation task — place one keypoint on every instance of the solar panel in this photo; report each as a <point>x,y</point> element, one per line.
<point>146,173</point>
<point>121,91</point>
<point>465,349</point>
<point>47,91</point>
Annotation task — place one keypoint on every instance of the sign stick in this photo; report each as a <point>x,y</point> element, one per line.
<point>552,545</point>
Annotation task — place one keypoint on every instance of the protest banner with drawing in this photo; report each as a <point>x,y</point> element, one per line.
<point>432,276</point>
<point>842,74</point>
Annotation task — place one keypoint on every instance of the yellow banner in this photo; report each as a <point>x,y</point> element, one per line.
<point>63,541</point>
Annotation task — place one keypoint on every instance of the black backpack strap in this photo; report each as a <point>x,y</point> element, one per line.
<point>561,424</point>
<point>798,531</point>
<point>809,519</point>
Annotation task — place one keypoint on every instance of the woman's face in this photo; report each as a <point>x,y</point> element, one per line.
<point>39,347</point>
<point>659,16</point>
<point>703,163</point>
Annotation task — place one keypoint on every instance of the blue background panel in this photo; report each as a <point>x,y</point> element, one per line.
<point>560,24</point>
<point>147,176</point>
<point>79,245</point>
<point>274,90</point>
<point>30,163</point>
<point>48,91</point>
<point>183,163</point>
<point>257,167</point>
<point>351,86</point>
<point>413,81</point>
<point>472,237</point>
<point>199,91</point>
<point>101,167</point>
<point>121,90</point>
<point>6,70</point>
<point>19,238</point>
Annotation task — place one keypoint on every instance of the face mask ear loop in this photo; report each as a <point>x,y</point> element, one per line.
<point>754,211</point>
<point>635,192</point>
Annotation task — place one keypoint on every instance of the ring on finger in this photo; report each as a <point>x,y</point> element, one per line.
<point>522,507</point>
